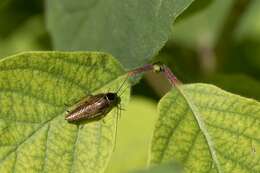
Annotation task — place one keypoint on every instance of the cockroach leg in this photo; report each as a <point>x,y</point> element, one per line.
<point>80,126</point>
<point>103,121</point>
<point>65,104</point>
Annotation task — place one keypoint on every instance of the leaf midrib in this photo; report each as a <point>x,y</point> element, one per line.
<point>203,129</point>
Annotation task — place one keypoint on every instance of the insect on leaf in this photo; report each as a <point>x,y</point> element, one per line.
<point>34,136</point>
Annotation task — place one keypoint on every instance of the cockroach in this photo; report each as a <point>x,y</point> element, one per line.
<point>95,107</point>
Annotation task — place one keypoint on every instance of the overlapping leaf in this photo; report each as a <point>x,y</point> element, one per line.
<point>34,137</point>
<point>133,31</point>
<point>208,130</point>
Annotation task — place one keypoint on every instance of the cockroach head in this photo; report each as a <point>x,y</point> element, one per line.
<point>113,98</point>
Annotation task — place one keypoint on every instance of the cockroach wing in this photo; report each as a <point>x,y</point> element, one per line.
<point>85,101</point>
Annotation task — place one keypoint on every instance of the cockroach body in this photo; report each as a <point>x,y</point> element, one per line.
<point>94,107</point>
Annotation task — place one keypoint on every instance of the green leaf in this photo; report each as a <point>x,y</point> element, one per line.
<point>34,136</point>
<point>208,130</point>
<point>134,136</point>
<point>133,31</point>
<point>164,168</point>
<point>194,8</point>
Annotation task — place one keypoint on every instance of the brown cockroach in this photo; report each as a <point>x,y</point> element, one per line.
<point>95,107</point>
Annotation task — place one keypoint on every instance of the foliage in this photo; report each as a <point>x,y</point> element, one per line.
<point>34,89</point>
<point>207,130</point>
<point>199,127</point>
<point>133,31</point>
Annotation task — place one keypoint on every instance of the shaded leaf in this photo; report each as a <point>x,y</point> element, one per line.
<point>194,8</point>
<point>208,130</point>
<point>242,57</point>
<point>237,83</point>
<point>34,136</point>
<point>133,31</point>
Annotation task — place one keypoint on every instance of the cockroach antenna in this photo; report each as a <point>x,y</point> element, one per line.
<point>120,87</point>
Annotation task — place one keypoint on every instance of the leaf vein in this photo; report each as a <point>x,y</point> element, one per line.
<point>74,151</point>
<point>201,125</point>
<point>232,132</point>
<point>28,137</point>
<point>46,148</point>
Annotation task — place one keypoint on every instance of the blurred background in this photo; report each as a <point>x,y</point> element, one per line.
<point>218,44</point>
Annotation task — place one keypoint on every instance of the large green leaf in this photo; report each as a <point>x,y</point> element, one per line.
<point>132,30</point>
<point>34,136</point>
<point>208,130</point>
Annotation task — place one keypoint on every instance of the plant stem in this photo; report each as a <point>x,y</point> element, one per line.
<point>157,68</point>
<point>170,76</point>
<point>145,68</point>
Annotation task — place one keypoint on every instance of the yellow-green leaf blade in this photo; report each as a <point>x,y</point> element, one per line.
<point>34,88</point>
<point>208,130</point>
<point>163,168</point>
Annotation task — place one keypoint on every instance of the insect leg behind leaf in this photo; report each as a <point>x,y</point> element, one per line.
<point>117,117</point>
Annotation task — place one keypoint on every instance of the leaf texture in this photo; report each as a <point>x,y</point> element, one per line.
<point>208,130</point>
<point>34,136</point>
